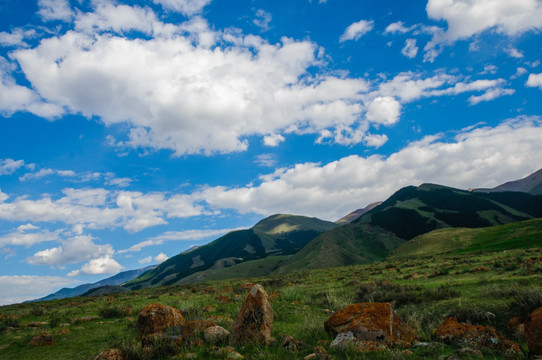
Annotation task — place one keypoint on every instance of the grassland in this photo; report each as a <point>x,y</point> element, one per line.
<point>486,287</point>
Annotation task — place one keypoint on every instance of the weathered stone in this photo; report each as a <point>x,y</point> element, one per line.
<point>344,340</point>
<point>516,327</point>
<point>290,343</point>
<point>44,338</point>
<point>209,308</point>
<point>154,319</point>
<point>196,328</point>
<point>216,335</point>
<point>533,332</point>
<point>228,351</point>
<point>373,322</point>
<point>36,324</point>
<point>475,336</point>
<point>318,353</point>
<point>255,319</point>
<point>110,354</point>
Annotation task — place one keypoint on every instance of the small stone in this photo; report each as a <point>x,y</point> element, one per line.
<point>216,335</point>
<point>290,343</point>
<point>343,340</point>
<point>110,354</point>
<point>43,338</point>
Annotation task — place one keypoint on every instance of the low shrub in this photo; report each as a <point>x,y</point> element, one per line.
<point>109,312</point>
<point>525,302</point>
<point>470,315</point>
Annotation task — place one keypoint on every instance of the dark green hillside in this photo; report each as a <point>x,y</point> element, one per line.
<point>521,235</point>
<point>275,235</point>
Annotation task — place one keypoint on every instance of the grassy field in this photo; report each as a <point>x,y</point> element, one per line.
<point>487,287</point>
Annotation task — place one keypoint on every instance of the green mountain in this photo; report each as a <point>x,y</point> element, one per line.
<point>276,235</point>
<point>410,212</point>
<point>520,235</point>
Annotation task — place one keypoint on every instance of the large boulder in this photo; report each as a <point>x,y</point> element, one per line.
<point>533,332</point>
<point>255,319</point>
<point>452,331</point>
<point>369,326</point>
<point>216,335</point>
<point>154,319</point>
<point>110,354</point>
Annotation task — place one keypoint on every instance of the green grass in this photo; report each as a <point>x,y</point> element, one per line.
<point>425,291</point>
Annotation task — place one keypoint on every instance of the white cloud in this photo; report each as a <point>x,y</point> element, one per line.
<point>186,7</point>
<point>268,160</point>
<point>46,172</point>
<point>397,27</point>
<point>515,53</point>
<point>479,157</point>
<point>146,260</point>
<point>535,80</point>
<point>186,235</point>
<point>9,166</point>
<point>16,37</point>
<point>100,266</point>
<point>160,258</point>
<point>375,140</point>
<point>466,18</point>
<point>21,288</point>
<point>73,250</point>
<point>55,10</point>
<point>262,20</point>
<point>357,30</point>
<point>410,50</point>
<point>273,140</point>
<point>489,95</point>
<point>384,110</point>
<point>22,237</point>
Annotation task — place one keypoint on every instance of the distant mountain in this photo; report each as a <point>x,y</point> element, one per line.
<point>118,279</point>
<point>520,235</point>
<point>354,215</point>
<point>105,290</point>
<point>276,235</point>
<point>410,212</point>
<point>531,184</point>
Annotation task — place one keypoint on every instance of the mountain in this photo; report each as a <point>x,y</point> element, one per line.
<point>276,235</point>
<point>410,212</point>
<point>531,184</point>
<point>354,215</point>
<point>520,235</point>
<point>118,279</point>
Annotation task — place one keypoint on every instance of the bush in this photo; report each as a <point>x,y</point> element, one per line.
<point>7,323</point>
<point>470,315</point>
<point>443,292</point>
<point>525,302</point>
<point>384,291</point>
<point>37,311</point>
<point>114,312</point>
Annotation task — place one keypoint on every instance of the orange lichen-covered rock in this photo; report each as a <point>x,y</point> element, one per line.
<point>477,336</point>
<point>44,338</point>
<point>154,319</point>
<point>533,332</point>
<point>110,354</point>
<point>255,319</point>
<point>376,322</point>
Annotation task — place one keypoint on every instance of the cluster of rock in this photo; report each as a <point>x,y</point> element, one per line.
<point>363,327</point>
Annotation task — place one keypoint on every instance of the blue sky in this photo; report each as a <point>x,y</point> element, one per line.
<point>130,131</point>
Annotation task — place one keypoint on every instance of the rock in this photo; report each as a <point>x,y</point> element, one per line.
<point>343,341</point>
<point>533,332</point>
<point>516,327</point>
<point>44,338</point>
<point>371,322</point>
<point>216,335</point>
<point>209,308</point>
<point>318,353</point>
<point>475,336</point>
<point>290,343</point>
<point>228,351</point>
<point>110,354</point>
<point>196,328</point>
<point>36,324</point>
<point>255,319</point>
<point>83,319</point>
<point>154,319</point>
<point>469,352</point>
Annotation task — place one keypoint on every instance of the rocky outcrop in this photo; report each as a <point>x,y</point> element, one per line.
<point>154,319</point>
<point>216,335</point>
<point>474,336</point>
<point>110,354</point>
<point>368,326</point>
<point>255,319</point>
<point>44,338</point>
<point>533,332</point>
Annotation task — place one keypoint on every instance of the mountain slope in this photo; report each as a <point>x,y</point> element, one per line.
<point>354,215</point>
<point>410,212</point>
<point>118,279</point>
<point>276,235</point>
<point>531,184</point>
<point>521,235</point>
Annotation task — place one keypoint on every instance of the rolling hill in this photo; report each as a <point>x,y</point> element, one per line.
<point>276,235</point>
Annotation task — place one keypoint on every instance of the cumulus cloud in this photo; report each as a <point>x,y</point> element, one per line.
<point>328,191</point>
<point>145,260</point>
<point>384,110</point>
<point>466,18</point>
<point>27,235</point>
<point>357,30</point>
<point>534,80</point>
<point>9,166</point>
<point>100,266</point>
<point>160,258</point>
<point>21,288</point>
<point>55,10</point>
<point>186,7</point>
<point>410,50</point>
<point>273,140</point>
<point>262,20</point>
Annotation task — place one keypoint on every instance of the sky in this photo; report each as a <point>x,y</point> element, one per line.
<point>133,130</point>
